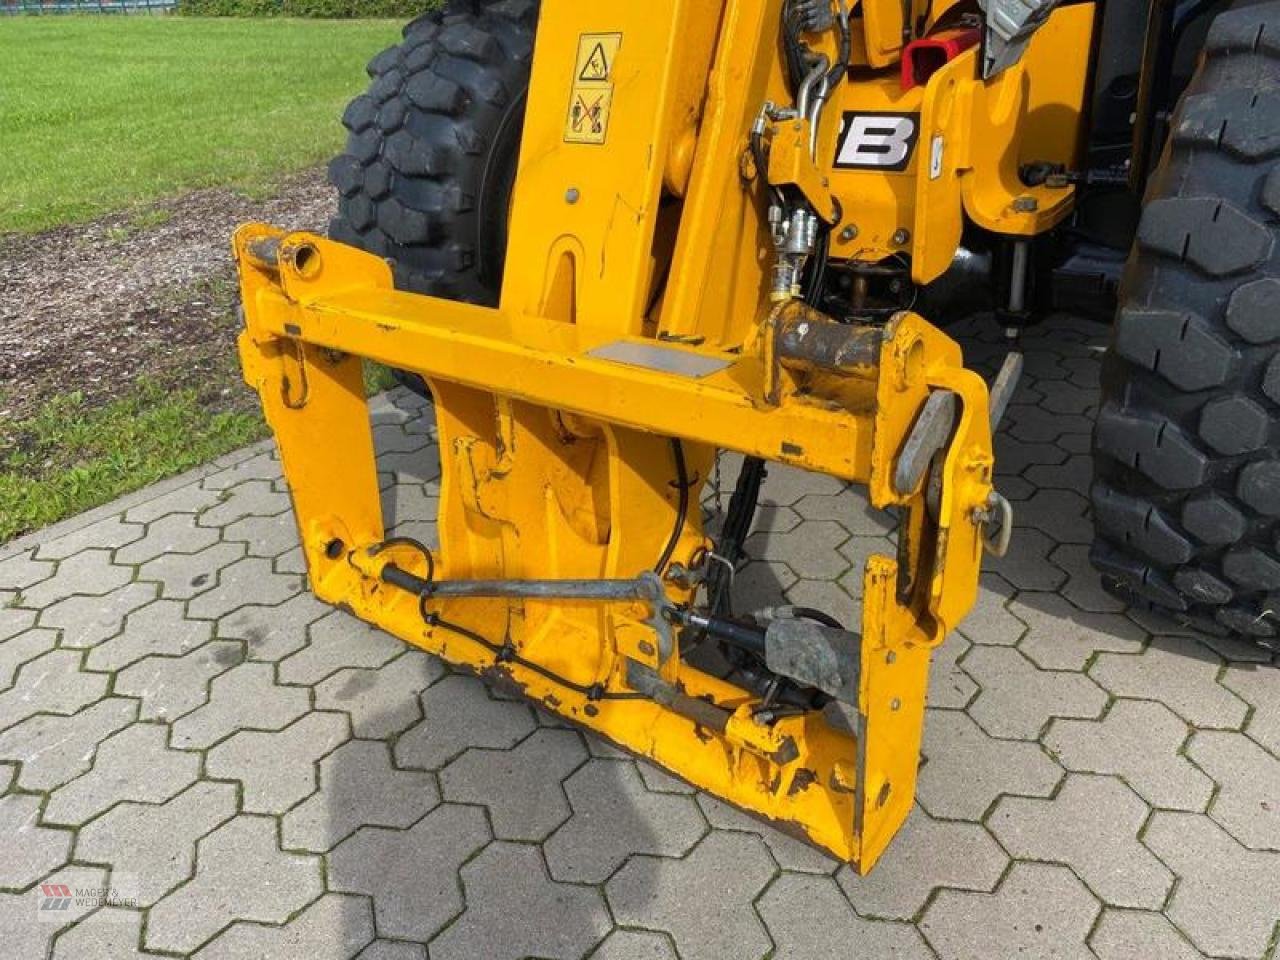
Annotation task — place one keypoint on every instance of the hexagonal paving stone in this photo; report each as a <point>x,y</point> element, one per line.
<point>990,621</point>
<point>134,764</point>
<point>383,701</point>
<point>86,621</point>
<point>175,533</point>
<point>274,707</point>
<point>521,786</point>
<point>926,854</point>
<point>19,649</point>
<point>807,918</point>
<point>967,770</point>
<point>1027,564</point>
<point>950,688</point>
<point>1035,424</point>
<point>393,950</point>
<point>339,640</point>
<point>791,852</point>
<point>252,498</point>
<point>243,875</point>
<point>672,895</point>
<point>182,576</point>
<point>30,851</point>
<point>1259,686</point>
<point>156,845</point>
<point>89,572</point>
<point>1131,935</point>
<point>107,534</point>
<point>22,571</point>
<point>15,620</point>
<point>51,683</point>
<point>1062,514</point>
<point>411,875</point>
<point>459,714</point>
<point>536,917</point>
<point>1062,637</point>
<point>272,633</point>
<point>190,499</point>
<point>247,581</point>
<point>1013,456</point>
<point>413,504</point>
<point>1015,699</point>
<point>811,550</point>
<point>850,509</point>
<point>52,749</point>
<point>264,536</point>
<point>170,687</point>
<point>1140,742</point>
<point>1083,589</point>
<point>358,787</point>
<point>761,584</point>
<point>614,816</point>
<point>1181,675</point>
<point>27,936</point>
<point>112,932</point>
<point>1102,850</point>
<point>276,770</point>
<point>335,927</point>
<point>1247,803</point>
<point>634,945</point>
<point>158,628</point>
<point>785,487</point>
<point>1039,911</point>
<point>261,464</point>
<point>1227,900</point>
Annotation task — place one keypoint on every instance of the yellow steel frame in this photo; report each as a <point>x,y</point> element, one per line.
<point>556,461</point>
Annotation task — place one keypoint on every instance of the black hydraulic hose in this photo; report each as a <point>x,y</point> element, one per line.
<point>739,519</point>
<point>817,616</point>
<point>682,510</point>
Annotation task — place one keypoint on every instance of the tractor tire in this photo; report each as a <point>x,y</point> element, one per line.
<point>430,161</point>
<point>1186,499</point>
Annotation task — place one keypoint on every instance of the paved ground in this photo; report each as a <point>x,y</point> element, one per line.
<point>252,775</point>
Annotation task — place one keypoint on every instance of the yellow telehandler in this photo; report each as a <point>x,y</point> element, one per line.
<point>614,241</point>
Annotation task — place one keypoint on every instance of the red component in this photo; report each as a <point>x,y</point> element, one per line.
<point>925,57</point>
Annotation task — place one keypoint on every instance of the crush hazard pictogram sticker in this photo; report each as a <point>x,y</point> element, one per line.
<point>592,101</point>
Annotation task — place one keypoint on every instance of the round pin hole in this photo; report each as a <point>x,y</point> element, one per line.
<point>334,549</point>
<point>306,260</point>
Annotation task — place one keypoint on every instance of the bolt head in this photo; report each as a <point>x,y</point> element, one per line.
<point>902,237</point>
<point>573,195</point>
<point>849,233</point>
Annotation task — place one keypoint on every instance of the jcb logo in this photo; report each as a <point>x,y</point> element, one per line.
<point>877,141</point>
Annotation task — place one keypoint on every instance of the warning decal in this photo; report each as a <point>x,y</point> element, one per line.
<point>592,99</point>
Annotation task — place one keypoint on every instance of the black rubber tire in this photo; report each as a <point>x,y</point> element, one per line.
<point>430,161</point>
<point>1186,499</point>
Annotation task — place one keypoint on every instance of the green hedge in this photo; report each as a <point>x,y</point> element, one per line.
<point>325,9</point>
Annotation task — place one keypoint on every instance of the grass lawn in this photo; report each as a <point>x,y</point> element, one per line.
<point>71,457</point>
<point>100,113</point>
<point>104,115</point>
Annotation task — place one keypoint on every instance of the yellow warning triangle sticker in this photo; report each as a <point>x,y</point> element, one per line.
<point>597,67</point>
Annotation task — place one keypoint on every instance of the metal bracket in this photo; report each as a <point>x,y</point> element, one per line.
<point>931,433</point>
<point>1010,26</point>
<point>816,656</point>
